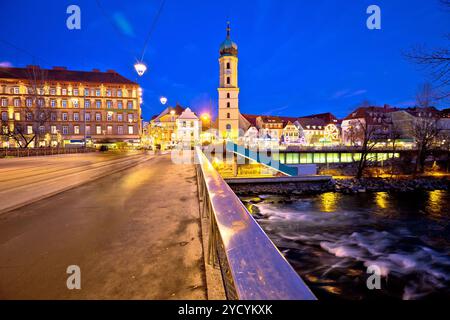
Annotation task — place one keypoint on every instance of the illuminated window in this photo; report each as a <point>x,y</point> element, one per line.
<point>130,130</point>
<point>76,129</point>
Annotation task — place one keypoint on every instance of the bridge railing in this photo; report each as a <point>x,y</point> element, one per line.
<point>252,267</point>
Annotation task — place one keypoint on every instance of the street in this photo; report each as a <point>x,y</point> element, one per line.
<point>135,234</point>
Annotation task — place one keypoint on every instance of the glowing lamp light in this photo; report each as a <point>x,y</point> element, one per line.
<point>163,100</point>
<point>205,116</point>
<point>140,68</point>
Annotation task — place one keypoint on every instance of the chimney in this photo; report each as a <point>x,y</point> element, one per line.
<point>95,70</point>
<point>111,71</point>
<point>31,66</point>
<point>59,68</point>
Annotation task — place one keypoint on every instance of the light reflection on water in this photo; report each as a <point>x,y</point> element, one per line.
<point>331,239</point>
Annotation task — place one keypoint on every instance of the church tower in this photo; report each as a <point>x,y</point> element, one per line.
<point>228,116</point>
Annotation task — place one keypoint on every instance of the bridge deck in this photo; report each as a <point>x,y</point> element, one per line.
<point>135,234</point>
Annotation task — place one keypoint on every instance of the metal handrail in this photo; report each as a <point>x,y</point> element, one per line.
<point>252,267</point>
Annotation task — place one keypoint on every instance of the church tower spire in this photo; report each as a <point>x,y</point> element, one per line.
<point>228,115</point>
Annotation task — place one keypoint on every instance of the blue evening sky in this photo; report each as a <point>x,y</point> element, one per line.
<point>296,57</point>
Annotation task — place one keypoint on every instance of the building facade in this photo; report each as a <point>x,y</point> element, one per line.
<point>56,107</point>
<point>188,128</point>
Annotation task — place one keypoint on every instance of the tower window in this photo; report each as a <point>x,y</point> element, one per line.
<point>228,95</point>
<point>228,127</point>
<point>228,80</point>
<point>228,66</point>
<point>228,104</point>
<point>228,115</point>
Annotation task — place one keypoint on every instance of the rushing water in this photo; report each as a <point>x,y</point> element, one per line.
<point>331,239</point>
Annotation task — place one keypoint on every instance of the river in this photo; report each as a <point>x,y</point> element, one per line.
<point>331,239</point>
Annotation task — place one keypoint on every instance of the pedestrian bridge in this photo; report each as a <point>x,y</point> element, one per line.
<point>252,267</point>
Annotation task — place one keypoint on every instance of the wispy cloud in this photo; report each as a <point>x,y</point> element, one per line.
<point>347,93</point>
<point>276,111</point>
<point>6,64</point>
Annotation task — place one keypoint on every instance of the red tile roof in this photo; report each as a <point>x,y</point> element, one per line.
<point>64,75</point>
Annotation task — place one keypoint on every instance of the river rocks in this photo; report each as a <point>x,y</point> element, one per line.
<point>346,186</point>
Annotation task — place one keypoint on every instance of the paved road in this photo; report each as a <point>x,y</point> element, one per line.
<point>135,234</point>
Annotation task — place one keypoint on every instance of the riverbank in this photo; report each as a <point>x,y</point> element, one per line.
<point>346,186</point>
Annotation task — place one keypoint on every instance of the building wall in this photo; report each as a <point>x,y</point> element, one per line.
<point>109,107</point>
<point>228,114</point>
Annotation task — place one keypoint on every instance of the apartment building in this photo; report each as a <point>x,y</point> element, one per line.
<point>56,107</point>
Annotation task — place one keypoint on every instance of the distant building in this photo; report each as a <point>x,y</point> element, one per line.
<point>59,106</point>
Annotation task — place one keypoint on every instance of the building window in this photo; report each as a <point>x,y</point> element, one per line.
<point>64,116</point>
<point>29,129</point>
<point>17,102</point>
<point>120,130</point>
<point>87,117</point>
<point>119,117</point>
<point>228,115</point>
<point>17,116</point>
<point>64,103</point>
<point>75,103</point>
<point>88,130</point>
<point>108,104</point>
<point>98,117</point>
<point>130,129</point>
<point>52,116</point>
<point>228,95</point>
<point>98,104</point>
<point>108,93</point>
<point>86,92</point>
<point>16,90</point>
<point>4,102</point>
<point>228,104</point>
<point>76,116</point>
<point>76,92</point>
<point>97,92</point>
<point>53,129</point>
<point>98,129</point>
<point>76,129</point>
<point>64,91</point>
<point>87,103</point>
<point>228,80</point>
<point>109,116</point>
<point>228,127</point>
<point>4,116</point>
<point>52,91</point>
<point>65,129</point>
<point>119,105</point>
<point>228,66</point>
<point>130,117</point>
<point>109,129</point>
<point>53,103</point>
<point>119,92</point>
<point>130,104</point>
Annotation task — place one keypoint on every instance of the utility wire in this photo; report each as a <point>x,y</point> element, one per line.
<point>152,27</point>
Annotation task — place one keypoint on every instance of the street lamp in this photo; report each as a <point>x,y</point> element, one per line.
<point>163,100</point>
<point>140,68</point>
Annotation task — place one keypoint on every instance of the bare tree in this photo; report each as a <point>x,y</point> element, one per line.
<point>426,96</point>
<point>366,135</point>
<point>425,131</point>
<point>37,112</point>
